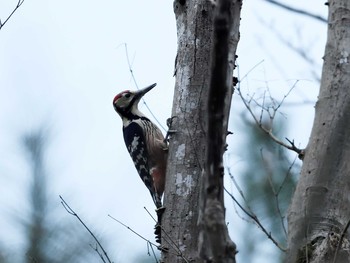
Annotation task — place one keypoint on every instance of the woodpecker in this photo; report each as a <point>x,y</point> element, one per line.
<point>145,143</point>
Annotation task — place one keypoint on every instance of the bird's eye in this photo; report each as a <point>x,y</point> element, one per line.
<point>127,95</point>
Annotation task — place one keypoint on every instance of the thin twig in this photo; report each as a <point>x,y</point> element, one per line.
<point>20,2</point>
<point>153,252</point>
<point>341,240</point>
<point>234,204</point>
<point>129,228</point>
<point>286,95</point>
<point>246,75</point>
<point>71,212</point>
<point>239,190</point>
<point>169,239</point>
<point>268,131</point>
<point>287,175</point>
<point>262,108</point>
<point>302,51</point>
<point>98,252</point>
<point>276,193</point>
<point>149,242</point>
<point>301,152</point>
<point>134,79</point>
<point>256,220</point>
<point>150,215</point>
<point>297,10</point>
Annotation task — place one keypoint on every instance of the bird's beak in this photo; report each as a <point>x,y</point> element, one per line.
<point>139,94</point>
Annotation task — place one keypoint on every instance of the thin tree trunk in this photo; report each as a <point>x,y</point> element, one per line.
<point>320,208</point>
<point>187,147</point>
<point>215,243</point>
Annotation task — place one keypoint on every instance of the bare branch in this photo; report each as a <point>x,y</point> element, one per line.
<point>249,212</point>
<point>297,150</point>
<point>303,52</point>
<point>20,2</point>
<point>129,228</point>
<point>249,71</point>
<point>269,131</point>
<point>341,240</point>
<point>239,190</point>
<point>256,220</point>
<point>71,212</point>
<point>98,252</point>
<point>135,82</point>
<point>297,10</point>
<point>277,192</point>
<point>153,252</point>
<point>168,239</point>
<point>148,241</point>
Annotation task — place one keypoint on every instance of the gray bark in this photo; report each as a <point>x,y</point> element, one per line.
<point>187,146</point>
<point>320,208</point>
<point>215,244</point>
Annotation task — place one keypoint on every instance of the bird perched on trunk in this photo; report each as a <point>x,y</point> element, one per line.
<point>146,145</point>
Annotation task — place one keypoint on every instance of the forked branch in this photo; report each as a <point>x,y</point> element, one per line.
<point>257,221</point>
<point>271,111</point>
<point>20,2</point>
<point>70,211</point>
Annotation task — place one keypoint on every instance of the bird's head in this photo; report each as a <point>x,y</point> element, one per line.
<point>126,102</point>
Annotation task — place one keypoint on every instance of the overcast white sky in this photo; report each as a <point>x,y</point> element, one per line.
<point>61,64</point>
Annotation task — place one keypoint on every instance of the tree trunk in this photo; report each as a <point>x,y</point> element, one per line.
<point>320,208</point>
<point>187,147</point>
<point>215,244</point>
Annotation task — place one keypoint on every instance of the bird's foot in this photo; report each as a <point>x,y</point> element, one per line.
<point>160,210</point>
<point>158,233</point>
<point>158,227</point>
<point>169,123</point>
<point>163,248</point>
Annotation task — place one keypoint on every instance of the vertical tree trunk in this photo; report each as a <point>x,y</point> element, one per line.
<point>320,208</point>
<point>215,243</point>
<point>187,147</point>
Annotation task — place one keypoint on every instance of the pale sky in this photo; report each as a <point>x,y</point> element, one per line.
<point>62,63</point>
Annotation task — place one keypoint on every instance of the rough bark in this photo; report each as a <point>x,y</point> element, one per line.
<point>320,208</point>
<point>187,145</point>
<point>215,244</point>
<point>186,159</point>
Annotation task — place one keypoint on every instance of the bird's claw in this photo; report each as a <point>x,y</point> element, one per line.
<point>158,227</point>
<point>169,123</point>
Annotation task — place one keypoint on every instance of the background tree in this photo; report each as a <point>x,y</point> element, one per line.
<point>267,185</point>
<point>2,256</point>
<point>319,214</point>
<point>85,114</point>
<point>49,237</point>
